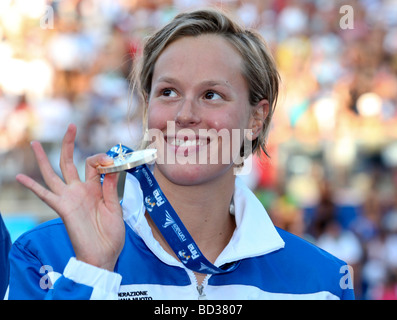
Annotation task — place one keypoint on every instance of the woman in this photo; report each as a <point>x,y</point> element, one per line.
<point>200,73</point>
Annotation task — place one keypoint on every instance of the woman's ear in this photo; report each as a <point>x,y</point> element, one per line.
<point>258,116</point>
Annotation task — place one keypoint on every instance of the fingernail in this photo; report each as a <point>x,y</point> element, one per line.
<point>107,159</point>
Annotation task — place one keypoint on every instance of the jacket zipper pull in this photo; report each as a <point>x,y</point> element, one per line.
<point>202,295</point>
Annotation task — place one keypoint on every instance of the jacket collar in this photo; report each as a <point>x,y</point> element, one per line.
<point>255,233</point>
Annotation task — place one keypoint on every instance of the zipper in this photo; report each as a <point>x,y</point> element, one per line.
<point>199,287</point>
<point>200,290</point>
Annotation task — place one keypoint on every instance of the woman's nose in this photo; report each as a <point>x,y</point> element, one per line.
<point>187,114</point>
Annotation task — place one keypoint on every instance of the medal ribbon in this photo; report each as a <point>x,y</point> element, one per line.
<point>168,221</point>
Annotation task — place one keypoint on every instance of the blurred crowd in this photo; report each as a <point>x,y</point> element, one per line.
<point>332,175</point>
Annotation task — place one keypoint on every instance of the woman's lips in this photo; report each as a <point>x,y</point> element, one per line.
<point>186,144</point>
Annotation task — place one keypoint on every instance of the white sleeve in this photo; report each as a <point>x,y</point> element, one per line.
<point>105,284</point>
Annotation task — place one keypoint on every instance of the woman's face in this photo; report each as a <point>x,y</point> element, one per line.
<point>198,109</point>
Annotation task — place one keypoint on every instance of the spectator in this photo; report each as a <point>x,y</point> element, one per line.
<point>5,245</point>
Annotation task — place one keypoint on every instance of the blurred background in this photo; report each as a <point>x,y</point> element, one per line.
<point>332,176</point>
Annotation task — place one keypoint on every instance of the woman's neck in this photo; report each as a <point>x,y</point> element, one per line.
<point>204,210</point>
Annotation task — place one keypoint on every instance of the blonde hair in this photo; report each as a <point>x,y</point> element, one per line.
<point>259,68</point>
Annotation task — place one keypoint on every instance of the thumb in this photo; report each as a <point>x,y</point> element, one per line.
<point>109,191</point>
<point>93,162</point>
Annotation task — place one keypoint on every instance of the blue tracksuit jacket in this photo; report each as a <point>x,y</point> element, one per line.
<point>274,264</point>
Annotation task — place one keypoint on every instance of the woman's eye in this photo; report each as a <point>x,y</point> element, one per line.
<point>211,95</point>
<point>169,93</point>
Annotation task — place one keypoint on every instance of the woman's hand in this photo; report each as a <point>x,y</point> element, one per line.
<point>91,212</point>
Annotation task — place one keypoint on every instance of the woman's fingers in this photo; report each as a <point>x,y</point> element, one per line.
<point>53,181</point>
<point>109,191</point>
<point>45,195</point>
<point>109,188</point>
<point>69,170</point>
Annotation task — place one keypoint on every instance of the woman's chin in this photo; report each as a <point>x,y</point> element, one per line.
<point>191,174</point>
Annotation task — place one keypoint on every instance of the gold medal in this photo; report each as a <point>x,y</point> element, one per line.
<point>129,160</point>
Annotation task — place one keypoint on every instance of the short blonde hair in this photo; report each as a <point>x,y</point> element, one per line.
<point>259,68</point>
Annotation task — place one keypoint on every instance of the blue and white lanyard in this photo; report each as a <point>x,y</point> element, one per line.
<point>168,221</point>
